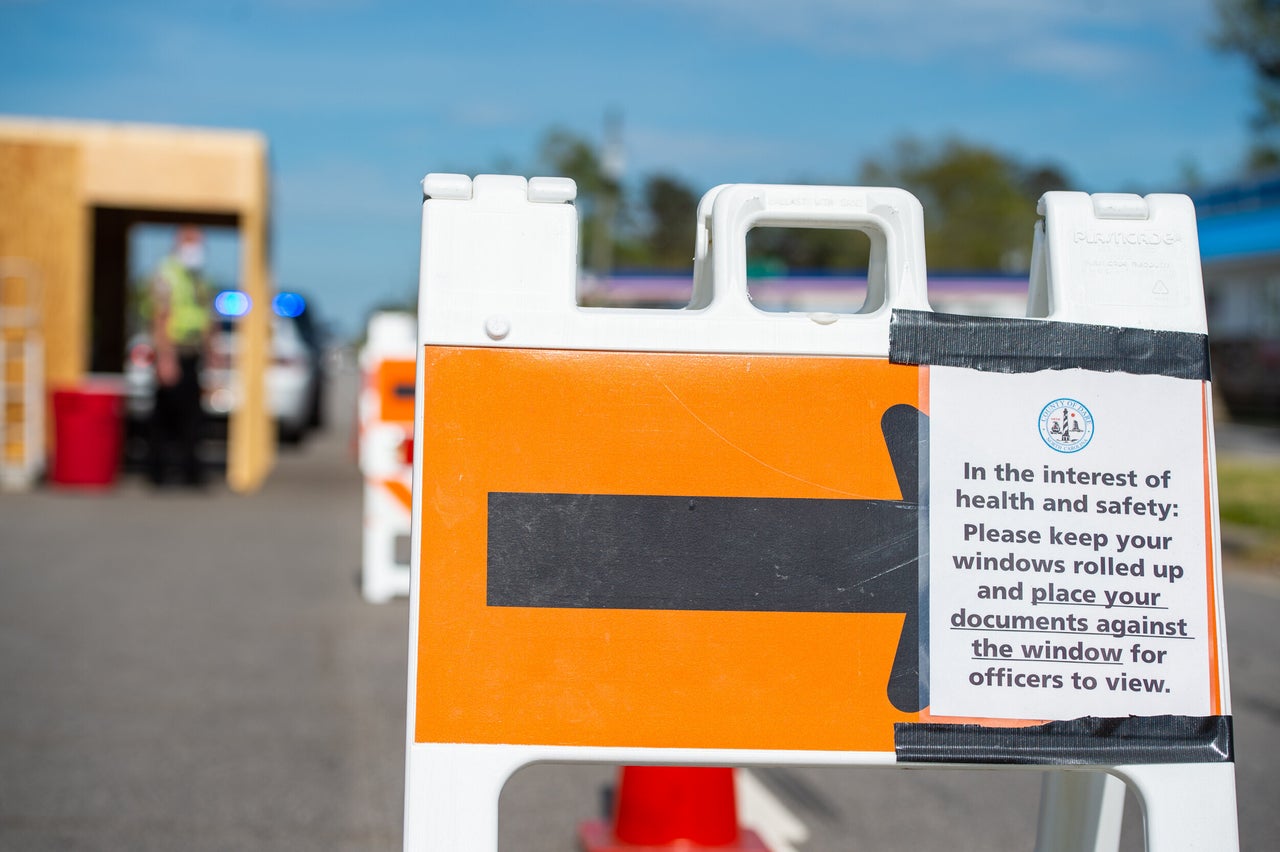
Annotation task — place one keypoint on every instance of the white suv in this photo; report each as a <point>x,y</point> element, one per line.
<point>292,379</point>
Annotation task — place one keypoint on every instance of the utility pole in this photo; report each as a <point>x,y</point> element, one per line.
<point>612,165</point>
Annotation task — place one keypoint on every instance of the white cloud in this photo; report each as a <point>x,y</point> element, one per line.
<point>1073,58</point>
<point>487,114</point>
<point>1087,38</point>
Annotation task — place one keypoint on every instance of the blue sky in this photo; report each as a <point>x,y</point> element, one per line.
<point>361,98</point>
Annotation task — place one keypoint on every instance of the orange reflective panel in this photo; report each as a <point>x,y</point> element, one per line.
<point>396,381</point>
<point>552,422</point>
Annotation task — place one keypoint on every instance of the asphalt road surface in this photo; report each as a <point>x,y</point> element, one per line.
<point>198,672</point>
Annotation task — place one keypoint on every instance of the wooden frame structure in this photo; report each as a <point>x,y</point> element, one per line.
<point>57,178</point>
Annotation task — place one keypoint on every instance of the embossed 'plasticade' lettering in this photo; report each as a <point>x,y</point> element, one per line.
<point>1126,238</point>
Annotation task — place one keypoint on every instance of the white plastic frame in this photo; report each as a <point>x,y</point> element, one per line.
<point>522,294</point>
<point>1081,244</point>
<point>525,294</point>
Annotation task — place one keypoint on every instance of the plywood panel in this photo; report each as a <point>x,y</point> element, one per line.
<point>53,172</point>
<point>154,166</point>
<point>43,223</point>
<point>172,170</point>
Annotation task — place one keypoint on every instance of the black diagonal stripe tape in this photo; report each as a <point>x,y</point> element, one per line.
<point>605,551</point>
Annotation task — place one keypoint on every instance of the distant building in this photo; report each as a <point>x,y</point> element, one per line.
<point>1239,227</point>
<point>810,291</point>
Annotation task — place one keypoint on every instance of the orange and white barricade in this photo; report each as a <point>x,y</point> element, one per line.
<point>718,536</point>
<point>387,366</point>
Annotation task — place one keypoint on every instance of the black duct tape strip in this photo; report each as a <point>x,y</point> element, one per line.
<point>1003,345</point>
<point>742,554</point>
<point>1086,741</point>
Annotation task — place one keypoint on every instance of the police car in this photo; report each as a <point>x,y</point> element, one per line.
<point>294,378</point>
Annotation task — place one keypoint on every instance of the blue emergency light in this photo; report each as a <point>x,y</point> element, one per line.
<point>232,303</point>
<point>288,304</point>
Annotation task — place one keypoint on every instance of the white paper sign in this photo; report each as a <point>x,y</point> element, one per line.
<point>1068,545</point>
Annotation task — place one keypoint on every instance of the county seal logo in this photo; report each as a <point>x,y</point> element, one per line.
<point>1066,425</point>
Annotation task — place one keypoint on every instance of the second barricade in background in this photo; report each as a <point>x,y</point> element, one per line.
<point>387,365</point>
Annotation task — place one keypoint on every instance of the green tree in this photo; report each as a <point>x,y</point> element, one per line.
<point>979,211</point>
<point>1251,28</point>
<point>980,204</point>
<point>776,250</point>
<point>670,209</point>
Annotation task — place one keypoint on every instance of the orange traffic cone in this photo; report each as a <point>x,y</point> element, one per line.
<point>668,807</point>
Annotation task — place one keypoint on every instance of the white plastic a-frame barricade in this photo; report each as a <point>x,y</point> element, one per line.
<point>719,536</point>
<point>1126,260</point>
<point>388,363</point>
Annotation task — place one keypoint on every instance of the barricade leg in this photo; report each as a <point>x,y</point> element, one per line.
<point>1080,812</point>
<point>1186,807</point>
<point>452,796</point>
<point>376,549</point>
<point>381,576</point>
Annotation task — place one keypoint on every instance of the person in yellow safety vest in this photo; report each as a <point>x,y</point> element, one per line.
<point>180,322</point>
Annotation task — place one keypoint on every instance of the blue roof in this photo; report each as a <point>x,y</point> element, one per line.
<point>1241,233</point>
<point>1239,220</point>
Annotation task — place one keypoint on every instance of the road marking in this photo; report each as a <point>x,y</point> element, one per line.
<point>760,811</point>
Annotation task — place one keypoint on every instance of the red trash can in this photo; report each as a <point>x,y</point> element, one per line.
<point>88,434</point>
